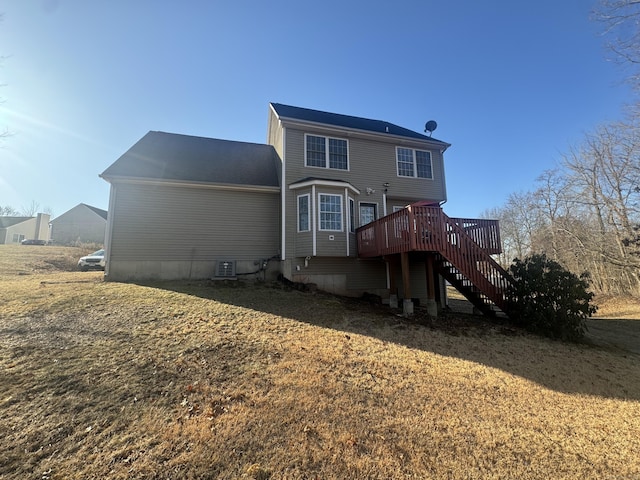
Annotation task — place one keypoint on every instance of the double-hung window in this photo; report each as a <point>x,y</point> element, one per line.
<point>330,212</point>
<point>326,152</point>
<point>413,163</point>
<point>303,213</point>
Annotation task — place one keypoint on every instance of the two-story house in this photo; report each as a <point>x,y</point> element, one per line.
<point>332,200</point>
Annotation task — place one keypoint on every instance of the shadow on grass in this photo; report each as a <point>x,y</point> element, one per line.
<point>588,368</point>
<point>615,334</point>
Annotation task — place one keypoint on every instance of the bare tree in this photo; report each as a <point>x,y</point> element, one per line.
<point>621,21</point>
<point>33,208</point>
<point>8,211</point>
<point>519,220</point>
<point>585,214</point>
<point>604,175</point>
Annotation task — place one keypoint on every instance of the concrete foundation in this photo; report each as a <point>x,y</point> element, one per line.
<point>393,301</point>
<point>407,307</point>
<point>432,308</point>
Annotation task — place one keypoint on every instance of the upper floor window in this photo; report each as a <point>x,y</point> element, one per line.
<point>325,152</point>
<point>413,163</point>
<point>330,212</point>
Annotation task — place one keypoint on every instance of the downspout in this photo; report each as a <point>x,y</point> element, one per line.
<point>347,216</point>
<point>313,219</point>
<point>444,181</point>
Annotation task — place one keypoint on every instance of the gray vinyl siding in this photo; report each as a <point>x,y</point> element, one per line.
<point>78,225</point>
<point>371,164</point>
<point>180,232</point>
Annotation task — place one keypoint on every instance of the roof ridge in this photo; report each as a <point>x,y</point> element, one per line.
<point>357,117</point>
<point>206,138</point>
<point>381,127</point>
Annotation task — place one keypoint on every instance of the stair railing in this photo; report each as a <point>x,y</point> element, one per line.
<point>459,249</point>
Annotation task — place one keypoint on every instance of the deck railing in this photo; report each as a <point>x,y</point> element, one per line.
<point>391,234</point>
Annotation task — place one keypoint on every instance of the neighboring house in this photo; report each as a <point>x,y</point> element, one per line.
<point>82,224</point>
<point>15,229</point>
<point>326,202</point>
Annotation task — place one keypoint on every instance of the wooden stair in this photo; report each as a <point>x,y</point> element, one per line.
<point>471,270</point>
<point>466,287</point>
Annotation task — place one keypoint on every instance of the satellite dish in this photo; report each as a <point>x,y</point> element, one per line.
<point>430,126</point>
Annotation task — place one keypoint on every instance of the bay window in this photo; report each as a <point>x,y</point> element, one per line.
<point>330,212</point>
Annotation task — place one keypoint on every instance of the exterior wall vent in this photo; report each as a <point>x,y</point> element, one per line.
<point>226,269</point>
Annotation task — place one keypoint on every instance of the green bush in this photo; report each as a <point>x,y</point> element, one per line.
<point>549,300</point>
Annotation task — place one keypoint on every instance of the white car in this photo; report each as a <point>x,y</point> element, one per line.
<point>95,261</point>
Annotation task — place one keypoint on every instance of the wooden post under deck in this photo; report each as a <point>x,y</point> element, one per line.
<point>407,304</point>
<point>392,263</point>
<point>432,305</point>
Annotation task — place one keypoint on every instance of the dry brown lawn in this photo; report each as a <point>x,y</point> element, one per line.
<point>227,380</point>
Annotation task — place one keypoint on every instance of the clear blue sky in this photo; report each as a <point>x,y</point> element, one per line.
<point>512,84</point>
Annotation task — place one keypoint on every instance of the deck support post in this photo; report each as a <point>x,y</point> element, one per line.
<point>407,304</point>
<point>432,305</point>
<point>392,265</point>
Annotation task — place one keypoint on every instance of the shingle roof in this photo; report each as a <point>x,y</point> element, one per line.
<point>347,121</point>
<point>170,156</point>
<point>97,211</point>
<point>6,222</point>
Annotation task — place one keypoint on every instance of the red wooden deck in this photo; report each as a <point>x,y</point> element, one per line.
<point>432,229</point>
<point>464,245</point>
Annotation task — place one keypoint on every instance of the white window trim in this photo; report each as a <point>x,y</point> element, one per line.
<point>352,227</point>
<point>326,152</point>
<point>308,212</point>
<point>341,213</point>
<point>347,215</point>
<point>415,164</point>
<point>314,220</point>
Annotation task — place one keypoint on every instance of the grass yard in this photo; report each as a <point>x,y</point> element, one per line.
<point>198,380</point>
